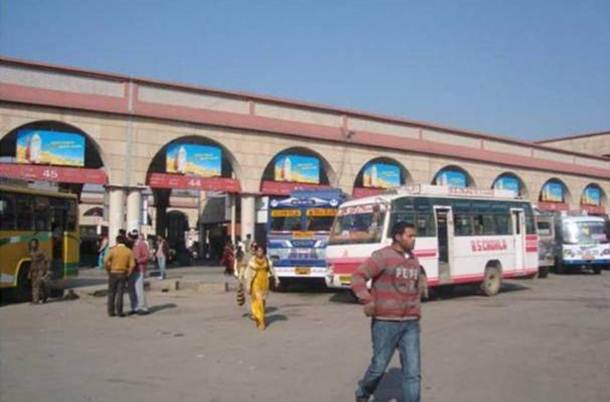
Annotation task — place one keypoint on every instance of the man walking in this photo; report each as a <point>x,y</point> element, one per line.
<point>394,306</point>
<point>119,264</point>
<point>38,271</point>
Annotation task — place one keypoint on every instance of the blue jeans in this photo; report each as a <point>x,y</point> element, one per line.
<point>388,336</point>
<point>161,262</point>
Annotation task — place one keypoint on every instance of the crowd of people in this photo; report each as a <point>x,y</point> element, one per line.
<point>126,264</point>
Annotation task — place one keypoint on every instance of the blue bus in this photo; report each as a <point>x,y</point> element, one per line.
<point>297,232</point>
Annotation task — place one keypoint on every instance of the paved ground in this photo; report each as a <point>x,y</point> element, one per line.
<point>540,340</point>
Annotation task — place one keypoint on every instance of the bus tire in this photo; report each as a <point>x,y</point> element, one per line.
<point>597,269</point>
<point>281,287</point>
<point>543,272</point>
<point>23,292</point>
<point>492,281</point>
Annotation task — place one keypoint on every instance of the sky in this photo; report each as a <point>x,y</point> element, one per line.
<point>529,70</point>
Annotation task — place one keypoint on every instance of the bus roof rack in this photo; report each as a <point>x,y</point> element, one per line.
<point>430,189</point>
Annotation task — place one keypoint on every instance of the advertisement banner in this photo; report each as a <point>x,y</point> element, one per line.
<point>381,175</point>
<point>452,178</point>
<point>508,183</point>
<point>200,160</point>
<point>552,192</point>
<point>298,169</point>
<point>592,196</point>
<point>50,148</point>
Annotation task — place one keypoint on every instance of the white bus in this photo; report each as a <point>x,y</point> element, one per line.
<point>582,242</point>
<point>463,235</point>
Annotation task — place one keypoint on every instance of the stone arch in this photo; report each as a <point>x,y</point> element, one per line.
<point>326,177</point>
<point>363,183</point>
<point>230,165</point>
<point>603,198</point>
<point>92,148</point>
<point>95,157</point>
<point>95,211</point>
<point>567,195</point>
<point>523,190</point>
<point>470,182</point>
<point>190,184</point>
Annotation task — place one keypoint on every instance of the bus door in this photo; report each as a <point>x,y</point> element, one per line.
<point>444,236</point>
<point>59,218</point>
<point>518,225</point>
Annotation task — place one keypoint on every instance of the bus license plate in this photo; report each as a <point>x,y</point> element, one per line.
<point>302,270</point>
<point>345,279</point>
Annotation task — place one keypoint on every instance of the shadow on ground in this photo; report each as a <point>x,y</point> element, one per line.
<point>161,307</point>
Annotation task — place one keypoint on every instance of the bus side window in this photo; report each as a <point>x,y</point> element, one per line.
<point>24,212</point>
<point>477,223</point>
<point>41,214</point>
<point>7,211</point>
<point>502,224</point>
<point>462,225</point>
<point>72,215</point>
<point>530,224</point>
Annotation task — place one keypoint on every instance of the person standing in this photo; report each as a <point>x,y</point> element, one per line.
<point>393,303</point>
<point>138,298</point>
<point>102,250</point>
<point>162,254</point>
<point>228,258</point>
<point>256,277</point>
<point>119,264</point>
<point>39,268</point>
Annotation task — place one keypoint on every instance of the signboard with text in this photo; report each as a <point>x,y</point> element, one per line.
<point>297,169</point>
<point>196,159</point>
<point>381,175</point>
<point>43,147</point>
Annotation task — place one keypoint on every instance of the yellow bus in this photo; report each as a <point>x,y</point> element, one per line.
<point>48,216</point>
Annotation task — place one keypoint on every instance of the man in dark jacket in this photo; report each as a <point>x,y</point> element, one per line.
<point>394,305</point>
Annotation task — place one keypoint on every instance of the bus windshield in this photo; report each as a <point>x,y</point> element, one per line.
<point>286,220</point>
<point>320,219</point>
<point>359,224</point>
<point>584,233</point>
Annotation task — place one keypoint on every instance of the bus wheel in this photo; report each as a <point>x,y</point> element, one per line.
<point>543,272</point>
<point>597,269</point>
<point>24,285</point>
<point>492,281</point>
<point>282,286</point>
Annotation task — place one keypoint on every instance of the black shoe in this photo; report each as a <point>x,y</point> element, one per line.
<point>111,315</point>
<point>143,312</point>
<point>121,315</point>
<point>132,312</point>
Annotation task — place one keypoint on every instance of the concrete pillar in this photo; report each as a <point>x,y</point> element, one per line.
<point>134,209</point>
<point>116,212</point>
<point>232,199</point>
<point>248,215</point>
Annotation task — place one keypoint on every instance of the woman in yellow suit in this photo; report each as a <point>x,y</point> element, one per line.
<point>257,275</point>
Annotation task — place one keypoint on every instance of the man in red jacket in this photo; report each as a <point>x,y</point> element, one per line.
<point>394,305</point>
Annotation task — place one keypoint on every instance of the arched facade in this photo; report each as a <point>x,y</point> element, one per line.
<point>130,123</point>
